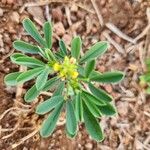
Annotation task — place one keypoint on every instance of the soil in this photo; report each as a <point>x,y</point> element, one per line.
<point>130,128</point>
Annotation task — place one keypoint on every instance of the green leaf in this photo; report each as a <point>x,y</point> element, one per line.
<point>71,122</point>
<point>95,51</point>
<point>31,94</point>
<point>29,74</point>
<point>92,107</point>
<point>48,105</point>
<point>92,98</point>
<point>70,135</point>
<point>108,77</point>
<point>11,79</point>
<point>51,83</point>
<point>30,27</point>
<point>76,46</point>
<point>27,61</point>
<point>48,34</point>
<point>79,107</point>
<point>49,124</point>
<point>42,78</point>
<point>25,47</point>
<point>89,67</point>
<point>60,89</point>
<point>63,47</point>
<point>107,110</point>
<point>148,90</point>
<point>92,125</point>
<point>99,93</point>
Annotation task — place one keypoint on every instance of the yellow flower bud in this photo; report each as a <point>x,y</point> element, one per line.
<point>74,75</point>
<point>57,67</point>
<point>72,60</point>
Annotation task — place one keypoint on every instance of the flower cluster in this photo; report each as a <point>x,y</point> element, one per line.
<point>68,69</point>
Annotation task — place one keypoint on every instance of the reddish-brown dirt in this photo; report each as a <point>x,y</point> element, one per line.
<point>130,128</point>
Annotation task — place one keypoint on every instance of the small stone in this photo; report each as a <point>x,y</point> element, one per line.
<point>67,39</point>
<point>59,29</point>
<point>57,14</point>
<point>1,12</point>
<point>10,1</point>
<point>37,13</point>
<point>108,88</point>
<point>15,17</point>
<point>89,146</point>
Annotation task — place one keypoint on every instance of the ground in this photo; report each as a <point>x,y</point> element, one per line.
<point>126,25</point>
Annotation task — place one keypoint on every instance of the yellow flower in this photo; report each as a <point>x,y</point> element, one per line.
<point>72,60</point>
<point>74,75</point>
<point>57,67</point>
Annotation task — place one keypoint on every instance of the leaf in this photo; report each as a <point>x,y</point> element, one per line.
<point>14,56</point>
<point>108,77</point>
<point>92,107</point>
<point>42,78</point>
<point>49,124</point>
<point>25,47</point>
<point>11,79</point>
<point>108,110</point>
<point>95,51</point>
<point>99,93</point>
<point>63,47</point>
<point>71,122</point>
<point>29,74</point>
<point>28,61</point>
<point>48,105</point>
<point>53,82</point>
<point>92,98</point>
<point>148,90</point>
<point>60,89</point>
<point>79,107</point>
<point>92,125</point>
<point>70,135</point>
<point>48,34</point>
<point>89,67</point>
<point>31,94</point>
<point>76,47</point>
<point>29,26</point>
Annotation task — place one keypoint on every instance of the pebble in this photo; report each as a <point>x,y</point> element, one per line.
<point>59,29</point>
<point>57,14</point>
<point>15,17</point>
<point>89,146</point>
<point>1,12</point>
<point>67,39</point>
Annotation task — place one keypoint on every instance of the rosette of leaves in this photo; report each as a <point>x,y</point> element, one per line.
<point>72,77</point>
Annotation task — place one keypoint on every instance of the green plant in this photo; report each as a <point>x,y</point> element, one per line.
<point>145,78</point>
<point>72,77</point>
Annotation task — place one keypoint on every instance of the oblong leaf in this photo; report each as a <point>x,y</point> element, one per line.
<point>25,47</point>
<point>49,124</point>
<point>78,107</point>
<point>28,61</point>
<point>108,77</point>
<point>99,93</point>
<point>71,122</point>
<point>51,83</point>
<point>89,67</point>
<point>107,110</point>
<point>31,94</point>
<point>92,107</point>
<point>48,34</point>
<point>95,51</point>
<point>29,74</point>
<point>60,89</point>
<point>92,125</point>
<point>63,47</point>
<point>48,105</point>
<point>30,27</point>
<point>11,79</point>
<point>76,47</point>
<point>42,78</point>
<point>92,98</point>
